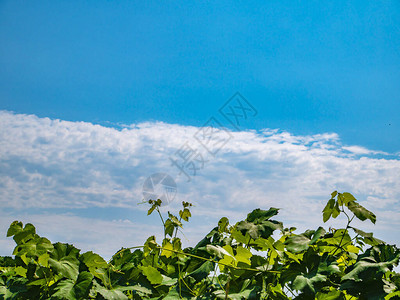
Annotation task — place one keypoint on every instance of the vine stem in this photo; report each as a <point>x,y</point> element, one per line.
<point>248,243</point>
<point>176,229</point>
<point>290,290</point>
<point>345,231</point>
<point>181,278</point>
<point>162,220</point>
<point>220,284</point>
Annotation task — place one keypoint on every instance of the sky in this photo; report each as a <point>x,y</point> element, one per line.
<point>97,96</point>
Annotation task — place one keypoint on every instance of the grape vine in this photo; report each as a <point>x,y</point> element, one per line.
<point>233,261</point>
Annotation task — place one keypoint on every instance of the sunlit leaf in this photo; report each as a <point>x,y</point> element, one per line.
<point>152,274</point>
<point>361,212</point>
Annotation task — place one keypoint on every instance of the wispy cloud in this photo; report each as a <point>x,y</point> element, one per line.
<point>53,164</point>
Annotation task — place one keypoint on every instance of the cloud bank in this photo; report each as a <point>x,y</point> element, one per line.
<point>51,169</point>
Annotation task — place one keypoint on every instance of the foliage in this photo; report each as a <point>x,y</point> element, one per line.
<point>257,258</point>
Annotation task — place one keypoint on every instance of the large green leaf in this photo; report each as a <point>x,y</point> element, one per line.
<point>23,235</point>
<point>14,228</point>
<point>262,215</point>
<point>115,293</point>
<point>345,198</point>
<point>68,266</point>
<point>262,229</point>
<point>317,235</point>
<point>361,212</point>
<point>94,262</point>
<point>306,282</point>
<point>368,237</point>
<point>378,259</point>
<point>13,288</point>
<point>202,271</point>
<point>62,249</point>
<point>297,243</point>
<point>34,247</point>
<point>71,290</point>
<point>152,274</point>
<point>327,267</point>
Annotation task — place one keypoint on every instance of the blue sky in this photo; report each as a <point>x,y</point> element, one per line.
<point>326,72</point>
<point>307,67</point>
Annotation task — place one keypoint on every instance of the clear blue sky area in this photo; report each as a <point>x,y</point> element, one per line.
<point>306,66</point>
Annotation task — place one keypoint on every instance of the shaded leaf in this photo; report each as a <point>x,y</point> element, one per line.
<point>71,290</point>
<point>68,266</point>
<point>261,215</point>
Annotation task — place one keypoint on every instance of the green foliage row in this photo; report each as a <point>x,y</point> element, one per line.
<point>240,261</point>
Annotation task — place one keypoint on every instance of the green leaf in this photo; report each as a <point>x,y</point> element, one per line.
<point>34,247</point>
<point>362,233</point>
<point>327,212</point>
<point>21,271</point>
<point>330,295</point>
<point>155,204</point>
<point>166,249</point>
<point>67,266</point>
<point>14,288</point>
<point>318,233</point>
<point>27,233</point>
<point>248,228</point>
<point>185,214</point>
<point>301,242</point>
<point>71,290</point>
<point>262,228</point>
<point>169,227</point>
<point>202,271</point>
<point>174,220</point>
<point>261,215</point>
<point>336,210</point>
<point>152,274</point>
<point>62,249</point>
<point>43,260</point>
<point>151,209</point>
<point>223,224</point>
<point>94,262</point>
<point>368,237</point>
<point>297,243</point>
<point>110,294</point>
<point>347,197</point>
<point>138,288</point>
<point>218,251</point>
<point>377,259</point>
<point>243,255</point>
<point>393,296</point>
<point>305,282</point>
<point>360,212</point>
<point>15,228</point>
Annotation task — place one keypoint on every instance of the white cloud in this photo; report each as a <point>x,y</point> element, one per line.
<point>54,164</point>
